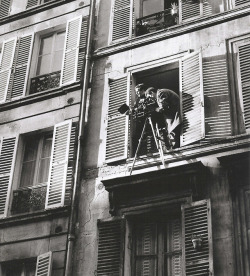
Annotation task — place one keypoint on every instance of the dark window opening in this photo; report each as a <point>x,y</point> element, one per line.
<point>161,77</point>
<point>19,268</point>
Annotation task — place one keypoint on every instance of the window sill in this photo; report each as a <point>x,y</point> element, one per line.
<point>41,96</point>
<point>176,30</point>
<point>32,10</point>
<point>35,216</point>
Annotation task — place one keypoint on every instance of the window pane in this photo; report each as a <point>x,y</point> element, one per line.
<point>146,267</point>
<point>31,147</point>
<point>152,6</point>
<point>14,270</point>
<point>43,66</point>
<point>46,45</point>
<point>57,64</point>
<point>59,41</point>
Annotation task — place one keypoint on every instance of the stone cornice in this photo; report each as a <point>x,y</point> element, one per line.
<point>177,30</point>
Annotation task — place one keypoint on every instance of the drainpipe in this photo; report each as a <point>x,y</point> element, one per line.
<point>86,76</point>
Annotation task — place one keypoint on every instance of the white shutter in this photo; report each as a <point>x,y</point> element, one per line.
<point>71,51</point>
<point>192,102</point>
<point>31,3</point>
<point>117,128</point>
<point>216,93</point>
<point>7,160</point>
<point>122,19</point>
<point>44,264</point>
<point>4,8</point>
<point>20,67</point>
<point>240,2</point>
<point>6,62</point>
<point>244,79</point>
<point>58,166</point>
<point>196,218</point>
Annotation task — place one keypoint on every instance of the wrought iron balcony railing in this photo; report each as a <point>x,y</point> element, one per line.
<point>157,21</point>
<point>30,199</point>
<point>45,82</point>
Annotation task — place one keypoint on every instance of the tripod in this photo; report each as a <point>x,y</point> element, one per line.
<point>157,140</point>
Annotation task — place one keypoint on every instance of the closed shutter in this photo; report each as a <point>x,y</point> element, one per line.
<point>216,94</point>
<point>71,51</point>
<point>4,8</point>
<point>244,72</point>
<point>192,102</point>
<point>7,157</point>
<point>174,231</point>
<point>82,47</point>
<point>122,12</point>
<point>59,165</point>
<point>117,128</point>
<point>31,3</point>
<point>20,67</point>
<point>44,264</point>
<point>111,248</point>
<point>196,218</point>
<point>7,58</point>
<point>190,9</point>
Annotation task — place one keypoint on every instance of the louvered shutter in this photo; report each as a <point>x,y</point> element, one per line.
<point>174,231</point>
<point>122,19</point>
<point>82,47</point>
<point>7,158</point>
<point>117,128</point>
<point>59,165</point>
<point>7,58</point>
<point>4,8</point>
<point>71,51</point>
<point>196,218</point>
<point>20,67</point>
<point>192,102</point>
<point>191,9</point>
<point>31,3</point>
<point>111,247</point>
<point>146,249</point>
<point>44,264</point>
<point>216,94</point>
<point>244,78</point>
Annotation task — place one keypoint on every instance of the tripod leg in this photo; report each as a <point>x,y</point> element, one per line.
<point>156,141</point>
<point>139,145</point>
<point>160,144</point>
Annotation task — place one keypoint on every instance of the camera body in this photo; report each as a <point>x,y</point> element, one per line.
<point>147,105</point>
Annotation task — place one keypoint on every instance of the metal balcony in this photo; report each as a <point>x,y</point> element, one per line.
<point>30,199</point>
<point>45,82</point>
<point>157,21</point>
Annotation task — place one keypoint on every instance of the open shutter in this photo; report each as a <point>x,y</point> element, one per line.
<point>117,129</point>
<point>4,8</point>
<point>31,3</point>
<point>111,247</point>
<point>59,165</point>
<point>122,19</point>
<point>240,2</point>
<point>44,264</point>
<point>7,158</point>
<point>7,58</point>
<point>20,67</point>
<point>216,94</point>
<point>196,218</point>
<point>71,51</point>
<point>192,102</point>
<point>244,78</point>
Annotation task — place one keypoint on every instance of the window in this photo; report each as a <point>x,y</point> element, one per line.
<point>36,160</point>
<point>50,53</point>
<point>32,3</point>
<point>157,243</point>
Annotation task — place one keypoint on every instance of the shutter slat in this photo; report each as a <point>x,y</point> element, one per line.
<point>110,257</point>
<point>191,99</point>
<point>59,165</point>
<point>117,124</point>
<point>7,156</point>
<point>121,19</point>
<point>190,9</point>
<point>244,65</point>
<point>31,3</point>
<point>71,51</point>
<point>241,2</point>
<point>44,264</point>
<point>196,219</point>
<point>4,8</point>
